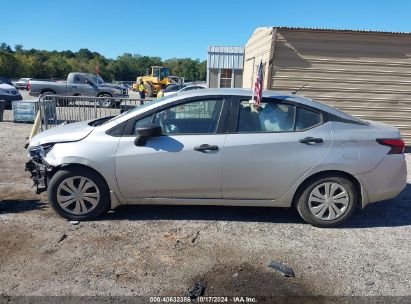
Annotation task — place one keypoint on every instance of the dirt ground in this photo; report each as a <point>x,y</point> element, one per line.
<point>160,251</point>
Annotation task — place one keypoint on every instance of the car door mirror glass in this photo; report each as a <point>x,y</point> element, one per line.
<point>147,131</point>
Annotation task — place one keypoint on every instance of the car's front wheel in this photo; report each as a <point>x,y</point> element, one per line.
<point>327,201</point>
<point>106,102</point>
<point>78,194</point>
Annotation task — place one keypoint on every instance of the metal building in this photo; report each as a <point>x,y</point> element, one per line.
<point>364,73</point>
<point>225,66</point>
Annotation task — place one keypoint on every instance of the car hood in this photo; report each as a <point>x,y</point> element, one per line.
<point>6,86</point>
<point>113,86</point>
<point>64,133</point>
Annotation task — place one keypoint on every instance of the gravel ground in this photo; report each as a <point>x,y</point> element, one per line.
<point>155,250</point>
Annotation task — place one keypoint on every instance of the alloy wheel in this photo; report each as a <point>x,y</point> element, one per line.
<point>105,103</point>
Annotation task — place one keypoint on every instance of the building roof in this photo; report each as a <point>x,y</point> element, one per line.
<point>225,57</point>
<point>337,30</point>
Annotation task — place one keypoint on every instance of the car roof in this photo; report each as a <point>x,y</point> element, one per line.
<point>194,86</point>
<point>286,96</point>
<point>268,94</point>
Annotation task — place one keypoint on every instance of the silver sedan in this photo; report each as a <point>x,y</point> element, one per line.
<point>218,147</point>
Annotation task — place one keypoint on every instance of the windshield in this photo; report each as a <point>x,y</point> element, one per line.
<point>166,72</point>
<point>173,87</point>
<point>95,79</point>
<point>139,107</point>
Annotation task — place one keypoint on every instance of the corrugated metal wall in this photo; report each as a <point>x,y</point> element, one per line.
<point>367,75</point>
<point>213,78</point>
<point>258,48</point>
<point>225,57</point>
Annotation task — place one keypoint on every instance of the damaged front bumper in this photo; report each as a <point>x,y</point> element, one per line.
<point>40,173</point>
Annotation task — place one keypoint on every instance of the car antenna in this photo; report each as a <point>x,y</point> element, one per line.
<point>299,89</point>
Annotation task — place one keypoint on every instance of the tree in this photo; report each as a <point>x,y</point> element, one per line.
<point>203,70</point>
<point>57,67</point>
<point>19,48</point>
<point>9,66</point>
<point>5,47</point>
<point>84,54</point>
<point>68,54</point>
<point>57,64</point>
<point>191,70</point>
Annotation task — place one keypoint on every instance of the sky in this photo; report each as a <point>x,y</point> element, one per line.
<point>181,28</point>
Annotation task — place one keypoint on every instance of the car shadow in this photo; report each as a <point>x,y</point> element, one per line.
<point>21,205</point>
<point>390,213</point>
<point>203,213</point>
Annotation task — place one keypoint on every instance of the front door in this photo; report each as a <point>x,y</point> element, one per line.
<point>263,155</point>
<point>185,162</point>
<point>81,86</point>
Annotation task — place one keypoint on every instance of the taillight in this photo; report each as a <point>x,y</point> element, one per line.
<point>397,145</point>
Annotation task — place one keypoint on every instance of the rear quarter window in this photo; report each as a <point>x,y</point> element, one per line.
<point>307,119</point>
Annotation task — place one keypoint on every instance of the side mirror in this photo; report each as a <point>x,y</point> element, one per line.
<point>147,131</point>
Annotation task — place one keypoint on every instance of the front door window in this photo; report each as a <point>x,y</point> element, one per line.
<point>197,117</point>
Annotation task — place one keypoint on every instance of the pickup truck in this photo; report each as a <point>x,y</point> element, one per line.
<point>81,84</point>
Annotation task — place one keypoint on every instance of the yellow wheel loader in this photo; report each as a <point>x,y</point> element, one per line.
<point>157,78</point>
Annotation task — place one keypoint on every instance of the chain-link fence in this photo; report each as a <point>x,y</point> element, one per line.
<point>56,110</point>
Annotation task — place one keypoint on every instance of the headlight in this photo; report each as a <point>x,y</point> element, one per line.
<point>39,151</point>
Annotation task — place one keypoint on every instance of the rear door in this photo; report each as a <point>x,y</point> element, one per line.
<point>269,148</point>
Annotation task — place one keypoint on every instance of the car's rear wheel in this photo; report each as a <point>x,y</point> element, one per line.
<point>327,201</point>
<point>60,102</point>
<point>78,194</point>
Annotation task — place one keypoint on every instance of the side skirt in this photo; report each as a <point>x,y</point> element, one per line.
<point>207,201</point>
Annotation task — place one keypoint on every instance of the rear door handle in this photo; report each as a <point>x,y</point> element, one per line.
<point>311,140</point>
<point>205,148</point>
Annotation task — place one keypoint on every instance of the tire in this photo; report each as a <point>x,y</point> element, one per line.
<point>45,93</point>
<point>318,210</point>
<point>59,102</point>
<point>95,200</point>
<point>149,90</point>
<point>105,103</point>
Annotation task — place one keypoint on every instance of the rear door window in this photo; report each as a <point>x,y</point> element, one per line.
<point>275,116</point>
<point>270,116</point>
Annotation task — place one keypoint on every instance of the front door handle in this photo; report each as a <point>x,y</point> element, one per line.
<point>311,140</point>
<point>205,148</point>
